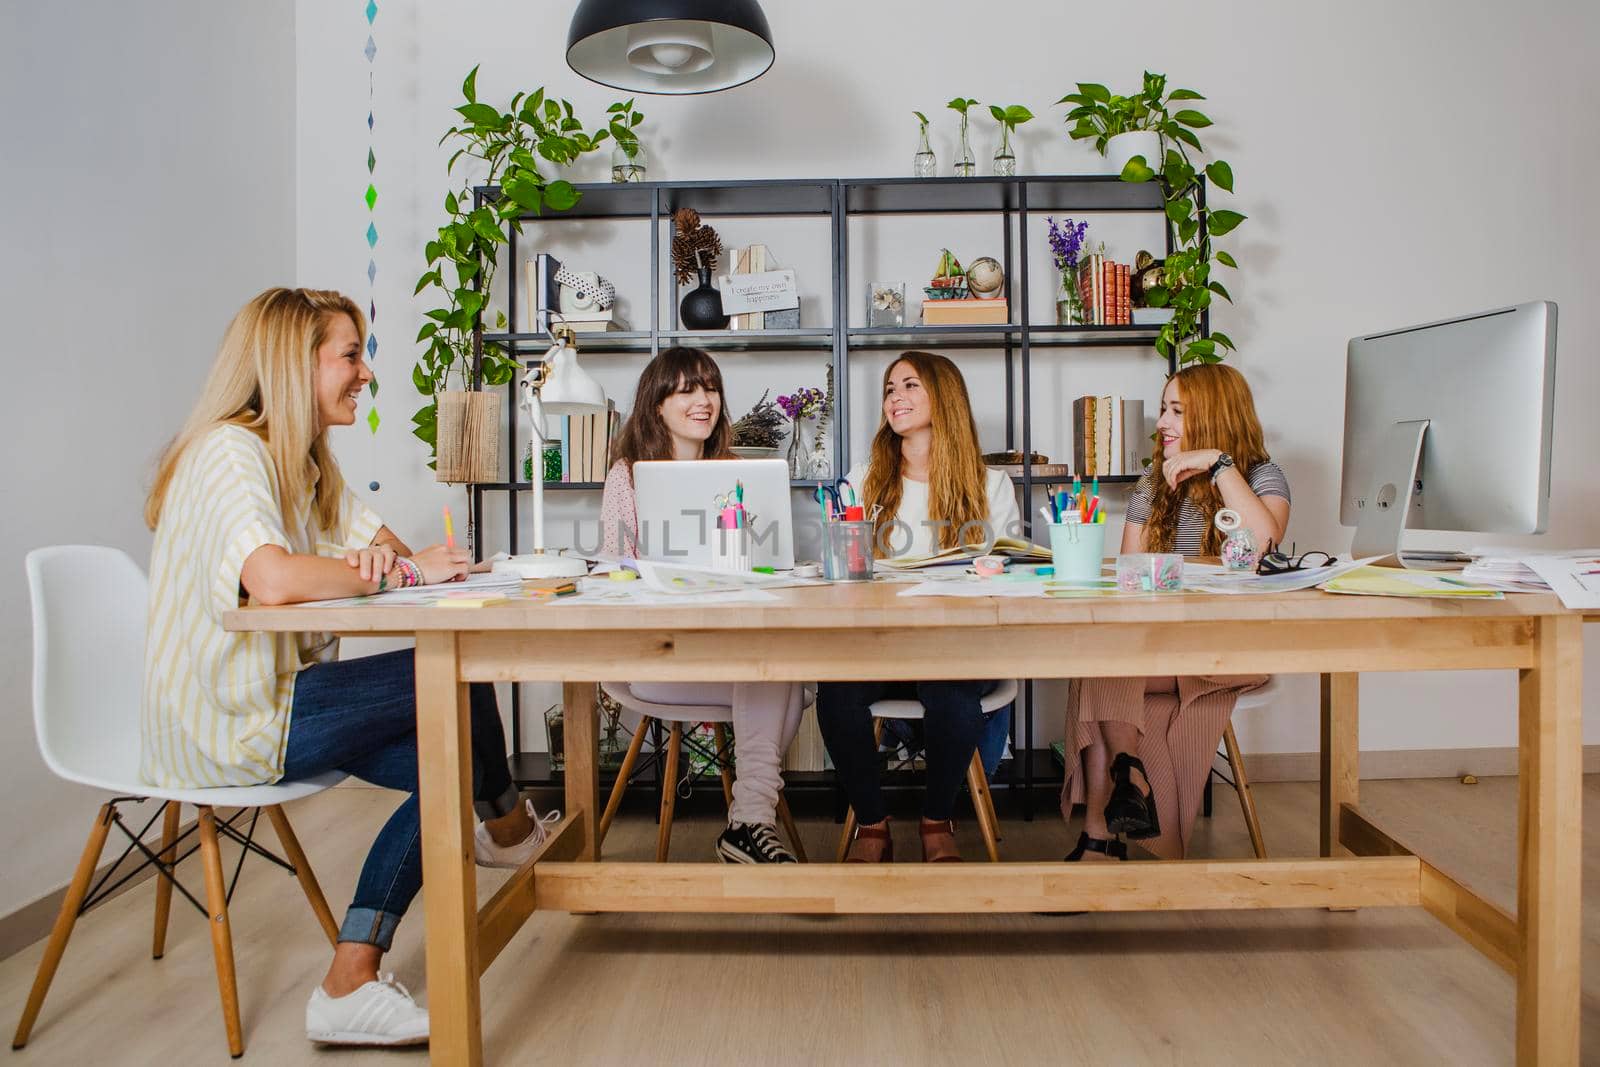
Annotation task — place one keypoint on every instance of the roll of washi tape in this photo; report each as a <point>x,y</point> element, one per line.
<point>1227,520</point>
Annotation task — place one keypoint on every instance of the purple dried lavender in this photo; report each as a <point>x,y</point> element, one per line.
<point>1065,241</point>
<point>804,404</point>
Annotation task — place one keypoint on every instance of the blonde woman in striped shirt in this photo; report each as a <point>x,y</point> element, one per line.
<point>1144,745</point>
<point>248,502</point>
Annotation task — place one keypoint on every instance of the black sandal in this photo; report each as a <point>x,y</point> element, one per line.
<point>1130,812</point>
<point>1115,849</point>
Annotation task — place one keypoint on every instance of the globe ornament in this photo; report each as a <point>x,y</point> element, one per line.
<point>985,278</point>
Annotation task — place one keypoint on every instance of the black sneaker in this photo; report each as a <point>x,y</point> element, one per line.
<point>744,842</point>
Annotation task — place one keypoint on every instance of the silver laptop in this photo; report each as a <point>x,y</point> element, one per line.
<point>677,506</point>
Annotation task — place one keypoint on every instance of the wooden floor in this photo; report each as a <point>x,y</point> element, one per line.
<point>1376,986</point>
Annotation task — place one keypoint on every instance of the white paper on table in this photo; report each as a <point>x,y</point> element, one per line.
<point>604,591</point>
<point>972,586</point>
<point>487,583</point>
<point>1206,578</point>
<point>1573,576</point>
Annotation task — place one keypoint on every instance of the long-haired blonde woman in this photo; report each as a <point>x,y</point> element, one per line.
<point>1144,745</point>
<point>678,414</point>
<point>248,502</point>
<point>926,472</point>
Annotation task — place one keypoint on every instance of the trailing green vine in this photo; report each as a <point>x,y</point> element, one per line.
<point>464,255</point>
<point>1186,283</point>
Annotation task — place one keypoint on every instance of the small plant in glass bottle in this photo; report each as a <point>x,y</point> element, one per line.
<point>1009,118</point>
<point>966,166</point>
<point>628,160</point>
<point>1066,241</point>
<point>923,164</point>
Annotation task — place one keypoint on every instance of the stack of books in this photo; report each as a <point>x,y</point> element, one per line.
<point>585,443</point>
<point>1108,436</point>
<point>1103,286</point>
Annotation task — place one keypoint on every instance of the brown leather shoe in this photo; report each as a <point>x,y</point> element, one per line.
<point>874,833</point>
<point>929,829</point>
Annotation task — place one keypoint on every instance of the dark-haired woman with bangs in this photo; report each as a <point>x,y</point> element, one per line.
<point>1144,745</point>
<point>678,415</point>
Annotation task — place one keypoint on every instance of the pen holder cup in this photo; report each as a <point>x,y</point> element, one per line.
<point>730,550</point>
<point>1078,549</point>
<point>847,551</point>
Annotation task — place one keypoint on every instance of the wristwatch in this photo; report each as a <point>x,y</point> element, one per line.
<point>1224,461</point>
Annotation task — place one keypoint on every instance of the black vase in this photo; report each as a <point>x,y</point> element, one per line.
<point>702,307</point>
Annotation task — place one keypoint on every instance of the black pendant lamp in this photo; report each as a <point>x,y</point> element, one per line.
<point>670,47</point>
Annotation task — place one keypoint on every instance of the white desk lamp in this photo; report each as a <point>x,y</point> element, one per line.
<point>556,385</point>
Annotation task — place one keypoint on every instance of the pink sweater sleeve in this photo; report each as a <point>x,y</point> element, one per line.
<point>619,523</point>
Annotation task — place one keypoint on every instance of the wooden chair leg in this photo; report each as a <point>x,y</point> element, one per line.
<point>169,849</point>
<point>669,792</point>
<point>982,806</point>
<point>221,932</point>
<point>620,786</point>
<point>719,734</point>
<point>850,813</point>
<point>303,872</point>
<point>1241,785</point>
<point>787,819</point>
<point>65,919</point>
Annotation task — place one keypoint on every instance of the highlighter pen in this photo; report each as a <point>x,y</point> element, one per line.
<point>449,529</point>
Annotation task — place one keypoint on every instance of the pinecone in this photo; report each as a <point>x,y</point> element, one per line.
<point>694,245</point>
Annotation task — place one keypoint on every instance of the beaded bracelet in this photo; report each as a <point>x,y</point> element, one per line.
<point>410,573</point>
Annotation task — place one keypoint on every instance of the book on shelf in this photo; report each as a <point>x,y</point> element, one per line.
<point>1083,434</point>
<point>970,312</point>
<point>1135,444</point>
<point>1107,416</point>
<point>586,444</point>
<point>751,259</point>
<point>1108,436</point>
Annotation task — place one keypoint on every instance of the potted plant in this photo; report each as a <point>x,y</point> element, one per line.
<point>458,424</point>
<point>966,166</point>
<point>757,431</point>
<point>1009,118</point>
<point>1065,244</point>
<point>923,164</point>
<point>1186,284</point>
<point>1120,126</point>
<point>628,160</point>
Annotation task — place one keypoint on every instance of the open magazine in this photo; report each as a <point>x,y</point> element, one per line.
<point>1018,550</point>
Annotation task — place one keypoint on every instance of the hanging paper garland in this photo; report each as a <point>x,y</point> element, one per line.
<point>371,198</point>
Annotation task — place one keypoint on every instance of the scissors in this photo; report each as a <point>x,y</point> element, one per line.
<point>825,492</point>
<point>845,492</point>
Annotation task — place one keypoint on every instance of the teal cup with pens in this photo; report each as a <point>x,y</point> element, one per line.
<point>1078,550</point>
<point>847,551</point>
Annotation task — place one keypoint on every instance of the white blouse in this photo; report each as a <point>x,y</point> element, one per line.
<point>918,535</point>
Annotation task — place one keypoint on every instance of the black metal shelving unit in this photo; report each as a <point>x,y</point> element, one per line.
<point>839,201</point>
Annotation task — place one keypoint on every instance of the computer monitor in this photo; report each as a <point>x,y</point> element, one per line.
<point>1447,427</point>
<point>676,505</point>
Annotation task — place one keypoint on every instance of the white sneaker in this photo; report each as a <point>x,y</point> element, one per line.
<point>489,854</point>
<point>379,1013</point>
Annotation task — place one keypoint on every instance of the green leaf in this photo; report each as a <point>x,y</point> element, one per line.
<point>481,115</point>
<point>1192,118</point>
<point>1095,92</point>
<point>1204,347</point>
<point>1221,174</point>
<point>425,281</point>
<point>998,112</point>
<point>420,379</point>
<point>525,193</point>
<point>466,270</point>
<point>1188,138</point>
<point>961,104</point>
<point>1156,296</point>
<point>469,88</point>
<point>1223,339</point>
<point>1016,115</point>
<point>1226,260</point>
<point>1222,221</point>
<point>560,195</point>
<point>1217,287</point>
<point>427,331</point>
<point>450,203</point>
<point>1178,210</point>
<point>1136,170</point>
<point>1187,231</point>
<point>921,117</point>
<point>1185,94</point>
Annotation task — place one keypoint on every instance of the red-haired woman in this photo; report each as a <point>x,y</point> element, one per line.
<point>926,473</point>
<point>1143,746</point>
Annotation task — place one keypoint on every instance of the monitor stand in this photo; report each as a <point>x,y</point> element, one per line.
<point>1383,513</point>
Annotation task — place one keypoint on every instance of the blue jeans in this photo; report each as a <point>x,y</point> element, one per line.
<point>952,724</point>
<point>360,716</point>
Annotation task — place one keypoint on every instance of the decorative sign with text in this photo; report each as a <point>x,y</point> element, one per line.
<point>772,290</point>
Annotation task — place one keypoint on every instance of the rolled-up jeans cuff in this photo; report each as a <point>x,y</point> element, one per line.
<point>368,926</point>
<point>504,804</point>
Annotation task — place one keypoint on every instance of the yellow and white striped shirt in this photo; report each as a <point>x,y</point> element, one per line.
<point>216,704</point>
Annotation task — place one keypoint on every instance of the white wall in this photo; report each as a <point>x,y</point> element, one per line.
<point>1400,163</point>
<point>146,191</point>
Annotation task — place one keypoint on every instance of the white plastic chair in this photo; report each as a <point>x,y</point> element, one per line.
<point>89,610</point>
<point>977,781</point>
<point>719,715</point>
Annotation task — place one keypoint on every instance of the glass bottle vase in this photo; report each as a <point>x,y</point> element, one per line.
<point>799,458</point>
<point>1005,160</point>
<point>923,164</point>
<point>1069,305</point>
<point>629,163</point>
<point>966,166</point>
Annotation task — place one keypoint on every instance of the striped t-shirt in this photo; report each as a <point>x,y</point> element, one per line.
<point>216,704</point>
<point>1266,479</point>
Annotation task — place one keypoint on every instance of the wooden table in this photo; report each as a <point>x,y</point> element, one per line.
<point>867,632</point>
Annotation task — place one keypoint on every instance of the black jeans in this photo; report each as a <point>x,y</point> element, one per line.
<point>951,724</point>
